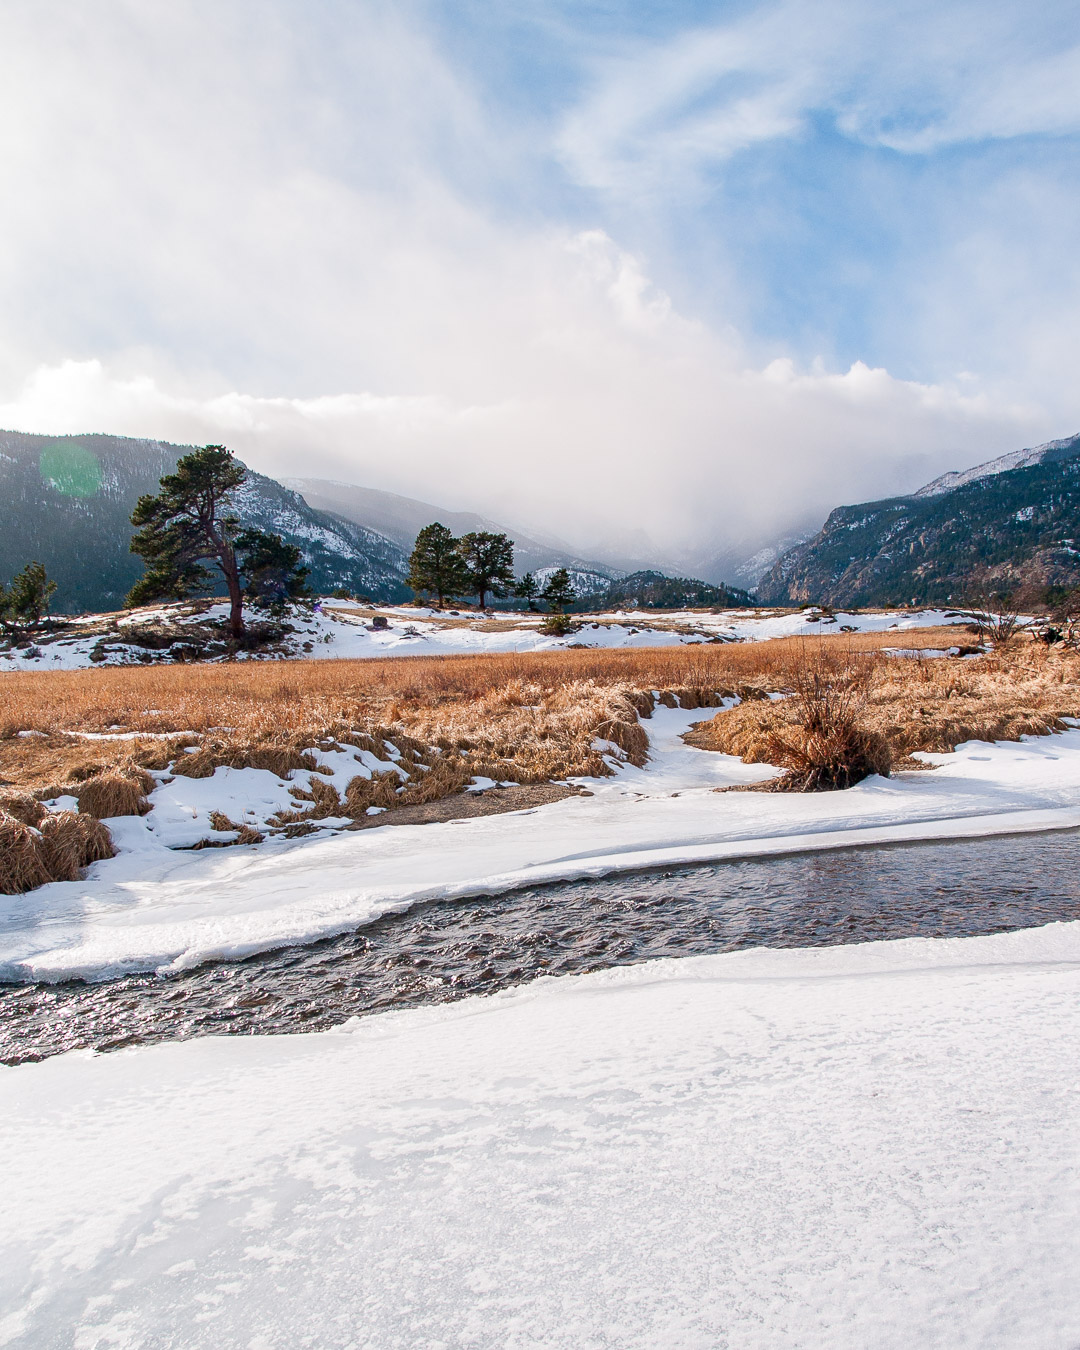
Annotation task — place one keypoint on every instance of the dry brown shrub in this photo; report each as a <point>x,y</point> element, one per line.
<point>22,867</point>
<point>115,793</point>
<point>23,807</point>
<point>245,834</point>
<point>630,737</point>
<point>445,777</point>
<point>72,840</point>
<point>918,705</point>
<point>380,790</point>
<point>824,743</point>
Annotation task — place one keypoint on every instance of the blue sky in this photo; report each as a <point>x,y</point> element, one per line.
<point>421,244</point>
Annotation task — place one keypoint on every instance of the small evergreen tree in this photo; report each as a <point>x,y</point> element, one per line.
<point>527,590</point>
<point>27,602</point>
<point>190,524</point>
<point>489,559</point>
<point>435,565</point>
<point>272,570</point>
<point>559,591</point>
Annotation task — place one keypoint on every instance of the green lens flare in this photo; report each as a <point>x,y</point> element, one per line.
<point>70,468</point>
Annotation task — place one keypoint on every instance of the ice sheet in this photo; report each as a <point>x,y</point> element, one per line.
<point>831,1149</point>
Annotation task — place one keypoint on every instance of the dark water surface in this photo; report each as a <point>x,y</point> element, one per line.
<point>449,949</point>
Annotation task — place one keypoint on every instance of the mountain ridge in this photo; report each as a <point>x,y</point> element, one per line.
<point>1008,523</point>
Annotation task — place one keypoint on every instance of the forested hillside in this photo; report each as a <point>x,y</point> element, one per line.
<point>992,528</point>
<point>66,501</point>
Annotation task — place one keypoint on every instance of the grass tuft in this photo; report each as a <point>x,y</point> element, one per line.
<point>116,792</point>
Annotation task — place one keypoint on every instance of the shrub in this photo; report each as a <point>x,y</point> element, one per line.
<point>824,743</point>
<point>25,808</point>
<point>116,792</point>
<point>72,840</point>
<point>21,864</point>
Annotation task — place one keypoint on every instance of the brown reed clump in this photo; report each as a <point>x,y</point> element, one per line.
<point>446,777</point>
<point>23,806</point>
<point>245,834</point>
<point>824,743</point>
<point>21,864</point>
<point>116,792</point>
<point>72,840</point>
<point>379,790</point>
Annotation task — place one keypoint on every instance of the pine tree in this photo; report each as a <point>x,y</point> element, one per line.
<point>490,562</point>
<point>559,591</point>
<point>527,590</point>
<point>435,565</point>
<point>272,571</point>
<point>190,524</point>
<point>27,602</point>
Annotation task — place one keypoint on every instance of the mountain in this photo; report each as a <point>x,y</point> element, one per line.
<point>402,518</point>
<point>654,590</point>
<point>66,501</point>
<point>1009,523</point>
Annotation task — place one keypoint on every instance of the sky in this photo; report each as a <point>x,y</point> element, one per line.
<point>659,276</point>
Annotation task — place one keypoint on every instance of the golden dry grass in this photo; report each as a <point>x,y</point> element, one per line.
<point>913,704</point>
<point>64,843</point>
<point>524,717</point>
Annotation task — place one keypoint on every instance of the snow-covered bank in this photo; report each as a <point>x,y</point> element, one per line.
<point>155,908</point>
<point>832,1149</point>
<point>339,629</point>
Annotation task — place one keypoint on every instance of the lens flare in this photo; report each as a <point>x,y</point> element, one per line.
<point>70,468</point>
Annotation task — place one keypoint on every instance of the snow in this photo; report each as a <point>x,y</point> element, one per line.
<point>153,908</point>
<point>832,1149</point>
<point>338,629</point>
<point>1015,459</point>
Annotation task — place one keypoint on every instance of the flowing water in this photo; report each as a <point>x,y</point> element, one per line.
<point>449,949</point>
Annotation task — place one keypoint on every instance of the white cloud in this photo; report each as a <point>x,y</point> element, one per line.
<point>614,414</point>
<point>912,77</point>
<point>297,229</point>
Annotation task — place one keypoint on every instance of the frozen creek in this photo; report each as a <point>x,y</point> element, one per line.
<point>445,950</point>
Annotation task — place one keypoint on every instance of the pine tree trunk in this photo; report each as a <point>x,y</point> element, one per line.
<point>236,597</point>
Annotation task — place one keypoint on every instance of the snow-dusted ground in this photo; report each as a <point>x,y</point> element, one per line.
<point>337,629</point>
<point>832,1149</point>
<point>155,908</point>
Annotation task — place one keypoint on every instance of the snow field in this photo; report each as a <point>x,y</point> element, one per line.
<point>832,1149</point>
<point>335,630</point>
<point>154,908</point>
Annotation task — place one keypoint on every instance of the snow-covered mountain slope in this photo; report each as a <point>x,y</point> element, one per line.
<point>1015,459</point>
<point>1009,525</point>
<point>67,501</point>
<point>401,518</point>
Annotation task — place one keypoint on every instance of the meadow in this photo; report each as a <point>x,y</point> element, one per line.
<point>850,709</point>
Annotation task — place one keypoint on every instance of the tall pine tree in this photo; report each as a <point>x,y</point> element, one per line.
<point>190,524</point>
<point>559,591</point>
<point>490,562</point>
<point>527,590</point>
<point>435,565</point>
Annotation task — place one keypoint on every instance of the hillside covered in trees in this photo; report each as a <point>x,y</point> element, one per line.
<point>1012,524</point>
<point>67,501</point>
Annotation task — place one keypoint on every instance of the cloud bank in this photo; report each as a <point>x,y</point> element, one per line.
<point>319,234</point>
